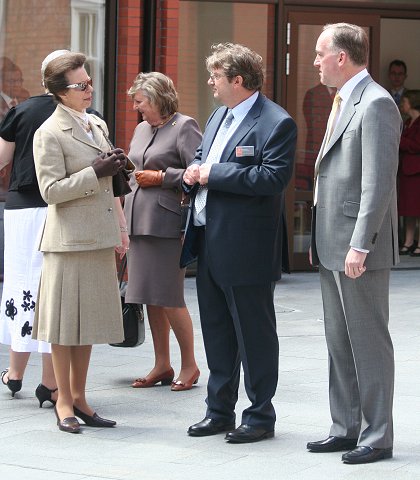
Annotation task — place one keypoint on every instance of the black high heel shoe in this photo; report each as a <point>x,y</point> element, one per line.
<point>95,420</point>
<point>407,249</point>
<point>44,394</point>
<point>13,385</point>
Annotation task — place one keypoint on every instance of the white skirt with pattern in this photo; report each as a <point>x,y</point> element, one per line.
<point>22,270</point>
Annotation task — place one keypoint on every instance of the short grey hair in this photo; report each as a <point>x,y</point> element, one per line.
<point>352,39</point>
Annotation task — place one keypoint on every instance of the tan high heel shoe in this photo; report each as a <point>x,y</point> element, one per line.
<point>179,386</point>
<point>164,378</point>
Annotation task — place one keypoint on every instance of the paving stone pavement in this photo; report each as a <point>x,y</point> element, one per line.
<point>150,441</point>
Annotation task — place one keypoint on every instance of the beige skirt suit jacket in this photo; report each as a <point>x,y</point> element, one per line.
<point>78,300</point>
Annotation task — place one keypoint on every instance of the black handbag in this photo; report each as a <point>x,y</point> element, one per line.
<point>120,184</point>
<point>133,316</point>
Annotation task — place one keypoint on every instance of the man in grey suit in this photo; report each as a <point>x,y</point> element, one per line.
<point>238,178</point>
<point>355,243</point>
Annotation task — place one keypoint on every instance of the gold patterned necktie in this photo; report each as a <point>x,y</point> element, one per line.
<point>332,121</point>
<point>335,113</point>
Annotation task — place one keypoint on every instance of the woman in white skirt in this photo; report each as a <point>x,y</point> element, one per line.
<point>78,301</point>
<point>24,218</point>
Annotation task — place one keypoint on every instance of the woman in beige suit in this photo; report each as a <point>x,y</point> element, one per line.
<point>78,302</point>
<point>162,147</point>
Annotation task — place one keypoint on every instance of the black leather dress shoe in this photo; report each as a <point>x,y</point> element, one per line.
<point>209,426</point>
<point>332,444</point>
<point>95,420</point>
<point>366,455</point>
<point>247,434</point>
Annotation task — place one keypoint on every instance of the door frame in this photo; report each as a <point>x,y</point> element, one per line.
<point>316,16</point>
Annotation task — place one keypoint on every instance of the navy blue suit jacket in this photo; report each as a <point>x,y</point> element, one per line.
<point>244,211</point>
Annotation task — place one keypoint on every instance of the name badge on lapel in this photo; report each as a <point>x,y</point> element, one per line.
<point>245,151</point>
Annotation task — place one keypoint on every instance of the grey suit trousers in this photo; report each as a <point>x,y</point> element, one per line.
<point>361,357</point>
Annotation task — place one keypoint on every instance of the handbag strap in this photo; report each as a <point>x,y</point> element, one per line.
<point>122,269</point>
<point>108,141</point>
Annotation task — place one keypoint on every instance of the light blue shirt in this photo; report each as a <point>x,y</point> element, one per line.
<point>239,113</point>
<point>347,89</point>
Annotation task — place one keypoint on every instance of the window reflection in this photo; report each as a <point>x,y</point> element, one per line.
<point>29,31</point>
<point>246,23</point>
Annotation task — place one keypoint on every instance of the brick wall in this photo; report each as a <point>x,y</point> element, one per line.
<point>129,56</point>
<point>167,38</point>
<point>129,61</point>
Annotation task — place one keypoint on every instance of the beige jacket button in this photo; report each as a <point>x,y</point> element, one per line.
<point>110,209</point>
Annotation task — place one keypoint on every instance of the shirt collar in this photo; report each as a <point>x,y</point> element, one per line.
<point>241,110</point>
<point>6,98</point>
<point>347,89</point>
<point>400,91</point>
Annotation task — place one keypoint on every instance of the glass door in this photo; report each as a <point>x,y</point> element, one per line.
<point>309,102</point>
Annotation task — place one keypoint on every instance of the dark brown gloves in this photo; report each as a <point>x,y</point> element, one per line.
<point>109,163</point>
<point>121,156</point>
<point>106,165</point>
<point>149,178</point>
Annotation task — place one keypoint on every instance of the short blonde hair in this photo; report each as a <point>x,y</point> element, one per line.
<point>158,89</point>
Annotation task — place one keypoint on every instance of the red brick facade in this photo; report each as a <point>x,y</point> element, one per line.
<point>129,60</point>
<point>129,56</point>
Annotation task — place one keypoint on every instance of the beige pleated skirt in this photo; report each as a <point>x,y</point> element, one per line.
<point>78,299</point>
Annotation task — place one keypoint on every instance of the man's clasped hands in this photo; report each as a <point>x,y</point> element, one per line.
<point>197,174</point>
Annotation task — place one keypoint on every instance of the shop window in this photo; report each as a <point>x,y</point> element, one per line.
<point>87,36</point>
<point>29,31</point>
<point>246,23</point>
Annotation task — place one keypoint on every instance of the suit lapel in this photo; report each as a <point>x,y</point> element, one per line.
<point>211,130</point>
<point>67,122</point>
<point>244,127</point>
<point>344,120</point>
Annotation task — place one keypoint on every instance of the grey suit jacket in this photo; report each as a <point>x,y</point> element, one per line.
<point>357,170</point>
<point>81,210</point>
<point>156,210</point>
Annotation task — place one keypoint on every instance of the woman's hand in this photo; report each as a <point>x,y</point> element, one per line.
<point>121,156</point>
<point>149,178</point>
<point>107,164</point>
<point>125,242</point>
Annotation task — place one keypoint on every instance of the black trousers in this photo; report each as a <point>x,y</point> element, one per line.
<point>239,326</point>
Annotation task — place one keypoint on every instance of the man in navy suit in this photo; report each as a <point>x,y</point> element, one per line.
<point>238,178</point>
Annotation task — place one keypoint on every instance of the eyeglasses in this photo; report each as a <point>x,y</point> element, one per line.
<point>216,76</point>
<point>82,86</point>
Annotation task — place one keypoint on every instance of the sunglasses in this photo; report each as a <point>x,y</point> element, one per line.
<point>82,86</point>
